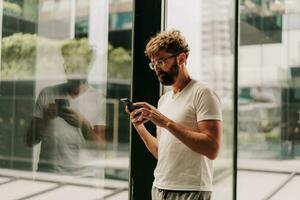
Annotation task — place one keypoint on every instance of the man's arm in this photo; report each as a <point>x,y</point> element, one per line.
<point>89,132</point>
<point>149,140</point>
<point>36,128</point>
<point>41,121</point>
<point>93,133</point>
<point>205,140</point>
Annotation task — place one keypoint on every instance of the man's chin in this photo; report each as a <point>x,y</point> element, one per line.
<point>165,82</point>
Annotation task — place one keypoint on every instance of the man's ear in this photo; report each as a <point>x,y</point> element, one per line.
<point>181,58</point>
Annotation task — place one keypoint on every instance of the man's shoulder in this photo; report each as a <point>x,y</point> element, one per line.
<point>201,90</point>
<point>199,84</point>
<point>200,87</point>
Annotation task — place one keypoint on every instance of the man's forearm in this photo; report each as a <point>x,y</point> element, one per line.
<point>149,140</point>
<point>88,131</point>
<point>199,142</point>
<point>93,133</point>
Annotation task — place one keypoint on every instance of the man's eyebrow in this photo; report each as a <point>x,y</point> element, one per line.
<point>158,59</point>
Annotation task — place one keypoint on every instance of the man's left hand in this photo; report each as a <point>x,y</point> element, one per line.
<point>149,112</point>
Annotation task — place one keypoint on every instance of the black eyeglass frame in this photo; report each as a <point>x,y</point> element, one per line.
<point>161,61</point>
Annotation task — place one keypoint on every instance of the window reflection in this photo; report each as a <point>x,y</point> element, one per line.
<point>69,115</point>
<point>64,56</point>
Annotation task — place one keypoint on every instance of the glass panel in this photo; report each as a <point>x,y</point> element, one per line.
<point>63,70</point>
<point>209,30</point>
<point>268,131</point>
<point>261,21</point>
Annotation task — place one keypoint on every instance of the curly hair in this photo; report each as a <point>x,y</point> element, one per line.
<point>78,47</point>
<point>171,42</point>
<point>78,55</point>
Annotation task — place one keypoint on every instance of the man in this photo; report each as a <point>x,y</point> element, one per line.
<point>69,115</point>
<point>188,121</point>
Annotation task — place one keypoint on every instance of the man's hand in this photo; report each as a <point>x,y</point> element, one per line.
<point>205,140</point>
<point>147,112</point>
<point>135,118</point>
<point>72,117</point>
<point>138,117</point>
<point>50,112</point>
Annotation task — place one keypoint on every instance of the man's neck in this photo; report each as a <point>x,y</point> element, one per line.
<point>76,91</point>
<point>181,83</point>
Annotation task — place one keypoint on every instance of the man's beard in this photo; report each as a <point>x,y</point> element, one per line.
<point>73,85</point>
<point>169,78</point>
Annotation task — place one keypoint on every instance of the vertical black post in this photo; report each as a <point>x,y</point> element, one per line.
<point>145,87</point>
<point>235,99</point>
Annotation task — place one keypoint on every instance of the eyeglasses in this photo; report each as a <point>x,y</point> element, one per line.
<point>161,62</point>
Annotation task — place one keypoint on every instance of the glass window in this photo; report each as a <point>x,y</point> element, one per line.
<point>261,21</point>
<point>120,15</point>
<point>63,130</point>
<point>208,27</point>
<point>268,108</point>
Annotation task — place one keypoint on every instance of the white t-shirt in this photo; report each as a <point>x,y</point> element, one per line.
<point>62,144</point>
<point>179,167</point>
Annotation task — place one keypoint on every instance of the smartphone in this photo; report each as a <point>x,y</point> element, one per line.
<point>62,103</point>
<point>129,104</point>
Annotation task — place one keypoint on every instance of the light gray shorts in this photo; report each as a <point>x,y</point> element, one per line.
<point>160,194</point>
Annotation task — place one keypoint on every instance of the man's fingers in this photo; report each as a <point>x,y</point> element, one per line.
<point>142,104</point>
<point>71,121</point>
<point>65,110</point>
<point>50,113</point>
<point>127,110</point>
<point>139,119</point>
<point>141,114</point>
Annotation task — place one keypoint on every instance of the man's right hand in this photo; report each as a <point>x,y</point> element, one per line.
<point>136,119</point>
<point>50,112</point>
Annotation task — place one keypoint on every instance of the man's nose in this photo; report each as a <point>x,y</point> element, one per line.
<point>158,71</point>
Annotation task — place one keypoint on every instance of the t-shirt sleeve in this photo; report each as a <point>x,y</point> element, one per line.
<point>207,105</point>
<point>39,105</point>
<point>100,118</point>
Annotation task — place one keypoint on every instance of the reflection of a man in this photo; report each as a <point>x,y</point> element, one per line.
<point>68,115</point>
